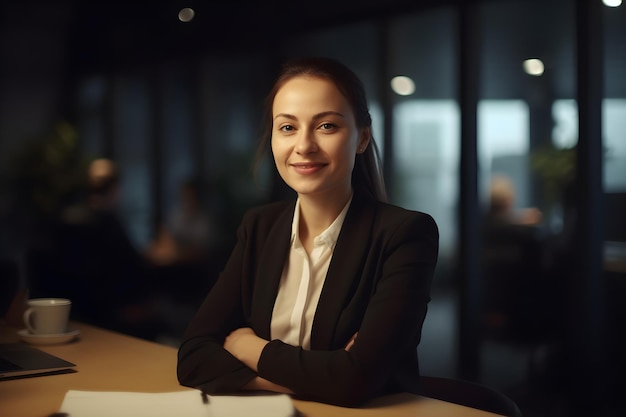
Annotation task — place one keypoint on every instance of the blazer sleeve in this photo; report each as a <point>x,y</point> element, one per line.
<point>203,363</point>
<point>390,329</point>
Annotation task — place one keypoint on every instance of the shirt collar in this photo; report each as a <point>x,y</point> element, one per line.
<point>328,237</point>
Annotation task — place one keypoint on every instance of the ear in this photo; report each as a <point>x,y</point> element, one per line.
<point>365,135</point>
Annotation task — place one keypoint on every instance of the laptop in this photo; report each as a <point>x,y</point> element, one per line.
<point>20,360</point>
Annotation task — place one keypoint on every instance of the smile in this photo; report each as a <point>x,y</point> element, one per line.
<point>308,167</point>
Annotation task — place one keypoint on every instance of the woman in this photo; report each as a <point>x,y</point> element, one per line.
<point>323,297</point>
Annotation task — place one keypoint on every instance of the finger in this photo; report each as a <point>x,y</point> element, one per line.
<point>351,342</point>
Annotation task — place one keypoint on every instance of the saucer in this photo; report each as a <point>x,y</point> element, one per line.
<point>48,339</point>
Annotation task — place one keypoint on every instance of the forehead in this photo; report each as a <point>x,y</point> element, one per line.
<point>304,91</point>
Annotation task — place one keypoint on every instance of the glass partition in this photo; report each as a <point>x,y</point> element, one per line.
<point>425,163</point>
<point>527,127</point>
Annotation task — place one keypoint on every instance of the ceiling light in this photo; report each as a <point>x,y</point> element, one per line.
<point>186,14</point>
<point>612,3</point>
<point>402,85</point>
<point>533,67</point>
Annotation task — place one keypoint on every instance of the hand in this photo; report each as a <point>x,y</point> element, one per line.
<point>246,346</point>
<point>530,216</point>
<point>236,336</point>
<point>351,342</point>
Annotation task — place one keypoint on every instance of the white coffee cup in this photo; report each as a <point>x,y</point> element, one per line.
<point>47,315</point>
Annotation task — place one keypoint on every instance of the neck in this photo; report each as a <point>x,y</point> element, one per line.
<point>316,214</point>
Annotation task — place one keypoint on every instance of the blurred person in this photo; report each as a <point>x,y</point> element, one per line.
<point>191,228</point>
<point>519,294</point>
<point>324,296</point>
<point>101,270</point>
<point>184,259</point>
<point>502,204</point>
<point>188,234</point>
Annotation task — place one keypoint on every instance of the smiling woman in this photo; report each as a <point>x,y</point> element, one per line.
<point>315,140</point>
<point>323,297</point>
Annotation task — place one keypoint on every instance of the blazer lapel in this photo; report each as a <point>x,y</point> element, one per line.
<point>344,271</point>
<point>270,268</point>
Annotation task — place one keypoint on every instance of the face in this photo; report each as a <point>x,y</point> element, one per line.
<point>315,138</point>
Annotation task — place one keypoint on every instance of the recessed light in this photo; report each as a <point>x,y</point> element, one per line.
<point>402,85</point>
<point>612,3</point>
<point>186,14</point>
<point>533,67</point>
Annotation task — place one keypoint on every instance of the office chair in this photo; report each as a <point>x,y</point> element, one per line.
<point>521,296</point>
<point>469,394</point>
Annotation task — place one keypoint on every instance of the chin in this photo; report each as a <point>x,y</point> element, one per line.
<point>311,188</point>
<point>303,187</point>
<point>305,191</point>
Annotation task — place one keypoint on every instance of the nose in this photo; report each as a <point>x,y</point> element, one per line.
<point>306,143</point>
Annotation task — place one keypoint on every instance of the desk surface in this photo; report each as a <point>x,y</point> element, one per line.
<point>109,361</point>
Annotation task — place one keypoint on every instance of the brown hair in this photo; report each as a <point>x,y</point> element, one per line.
<point>367,174</point>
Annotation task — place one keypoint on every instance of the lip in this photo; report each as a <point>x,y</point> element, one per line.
<point>307,168</point>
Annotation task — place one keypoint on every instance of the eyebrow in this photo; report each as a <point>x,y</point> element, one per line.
<point>315,117</point>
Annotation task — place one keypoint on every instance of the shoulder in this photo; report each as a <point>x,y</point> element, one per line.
<point>393,214</point>
<point>389,224</point>
<point>395,219</point>
<point>387,218</point>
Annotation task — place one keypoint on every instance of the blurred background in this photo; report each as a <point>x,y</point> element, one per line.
<point>127,140</point>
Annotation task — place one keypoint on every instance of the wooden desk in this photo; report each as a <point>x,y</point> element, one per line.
<point>109,361</point>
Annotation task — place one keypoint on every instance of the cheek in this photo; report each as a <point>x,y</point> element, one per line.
<point>347,150</point>
<point>278,153</point>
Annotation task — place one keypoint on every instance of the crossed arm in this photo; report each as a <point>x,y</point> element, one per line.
<point>344,370</point>
<point>246,346</point>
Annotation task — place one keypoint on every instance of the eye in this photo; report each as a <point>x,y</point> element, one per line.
<point>286,128</point>
<point>328,126</point>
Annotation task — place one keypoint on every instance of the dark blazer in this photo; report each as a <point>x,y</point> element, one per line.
<point>378,285</point>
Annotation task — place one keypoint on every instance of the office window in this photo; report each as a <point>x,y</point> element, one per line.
<point>503,142</point>
<point>613,128</point>
<point>614,103</point>
<point>426,162</point>
<point>528,66</point>
<point>565,136</point>
<point>231,95</point>
<point>90,109</point>
<point>177,129</point>
<point>425,157</point>
<point>426,126</point>
<point>131,131</point>
<point>527,92</point>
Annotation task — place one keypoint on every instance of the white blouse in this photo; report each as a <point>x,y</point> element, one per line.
<point>302,281</point>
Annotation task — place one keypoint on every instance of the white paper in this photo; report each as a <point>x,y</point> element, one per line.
<point>134,404</point>
<point>187,403</point>
<point>251,406</point>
